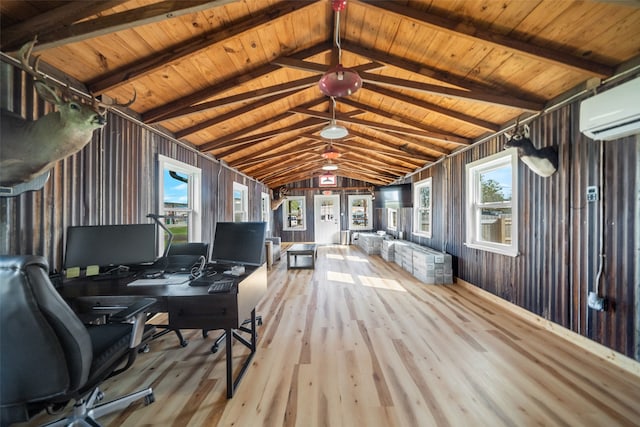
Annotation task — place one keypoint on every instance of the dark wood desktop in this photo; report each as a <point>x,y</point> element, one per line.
<point>189,307</point>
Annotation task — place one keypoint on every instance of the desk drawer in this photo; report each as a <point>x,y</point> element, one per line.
<point>203,312</point>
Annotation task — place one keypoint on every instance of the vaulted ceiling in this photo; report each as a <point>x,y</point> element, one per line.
<point>239,79</point>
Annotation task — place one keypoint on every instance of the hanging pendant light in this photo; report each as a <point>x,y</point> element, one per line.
<point>333,130</point>
<point>329,166</point>
<point>339,81</point>
<point>330,153</point>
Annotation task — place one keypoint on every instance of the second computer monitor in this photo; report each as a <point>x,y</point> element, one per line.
<point>239,243</point>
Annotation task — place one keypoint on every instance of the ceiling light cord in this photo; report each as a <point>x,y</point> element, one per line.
<point>337,37</point>
<point>333,110</point>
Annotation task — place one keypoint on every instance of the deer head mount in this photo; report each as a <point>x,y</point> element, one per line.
<point>542,161</point>
<point>30,148</point>
<point>279,196</point>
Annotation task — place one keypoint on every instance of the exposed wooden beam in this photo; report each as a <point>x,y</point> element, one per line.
<point>385,127</point>
<point>309,164</point>
<point>14,36</point>
<point>476,92</point>
<point>228,116</point>
<point>437,133</point>
<point>364,175</point>
<point>314,67</point>
<point>468,30</point>
<point>360,161</point>
<point>249,162</point>
<point>277,162</point>
<point>390,153</point>
<point>271,93</point>
<point>433,107</point>
<point>292,168</point>
<point>87,29</point>
<point>289,143</point>
<point>406,139</point>
<point>377,147</point>
<point>401,153</point>
<point>471,95</point>
<point>302,161</point>
<point>237,143</point>
<point>187,48</point>
<point>233,143</point>
<point>274,183</point>
<point>159,113</point>
<point>347,188</point>
<point>236,139</point>
<point>418,68</point>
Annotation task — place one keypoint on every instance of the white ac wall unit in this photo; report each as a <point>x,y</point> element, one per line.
<point>612,114</point>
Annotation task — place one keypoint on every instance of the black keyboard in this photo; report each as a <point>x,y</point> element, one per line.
<point>220,286</point>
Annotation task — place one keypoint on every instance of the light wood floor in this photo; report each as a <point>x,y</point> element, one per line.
<point>359,342</point>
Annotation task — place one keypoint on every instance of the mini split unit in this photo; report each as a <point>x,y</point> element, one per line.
<point>612,114</point>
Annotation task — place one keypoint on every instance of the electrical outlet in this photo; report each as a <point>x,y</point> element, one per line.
<point>592,193</point>
<point>595,302</point>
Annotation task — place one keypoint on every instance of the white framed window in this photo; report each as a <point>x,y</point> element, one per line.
<point>392,219</point>
<point>180,190</point>
<point>422,192</point>
<point>492,208</point>
<point>294,214</point>
<point>360,212</point>
<point>265,209</point>
<point>240,202</point>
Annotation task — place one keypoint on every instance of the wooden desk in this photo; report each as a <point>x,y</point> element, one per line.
<point>307,252</point>
<point>189,307</point>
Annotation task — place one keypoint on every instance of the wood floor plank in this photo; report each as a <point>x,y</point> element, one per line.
<point>360,342</point>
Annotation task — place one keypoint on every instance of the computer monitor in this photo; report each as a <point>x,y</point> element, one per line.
<point>393,196</point>
<point>239,243</point>
<point>110,245</point>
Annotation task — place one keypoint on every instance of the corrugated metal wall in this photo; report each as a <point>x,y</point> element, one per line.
<point>559,231</point>
<point>111,181</point>
<point>304,186</point>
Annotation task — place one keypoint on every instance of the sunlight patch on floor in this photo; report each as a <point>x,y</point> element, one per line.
<point>335,256</point>
<point>380,283</point>
<point>340,277</point>
<point>356,259</point>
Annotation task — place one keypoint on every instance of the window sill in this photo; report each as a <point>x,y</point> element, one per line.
<point>425,235</point>
<point>506,250</point>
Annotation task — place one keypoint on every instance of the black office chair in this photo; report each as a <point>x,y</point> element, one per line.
<point>49,357</point>
<point>181,257</point>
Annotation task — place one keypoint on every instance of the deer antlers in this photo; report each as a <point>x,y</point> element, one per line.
<point>25,53</point>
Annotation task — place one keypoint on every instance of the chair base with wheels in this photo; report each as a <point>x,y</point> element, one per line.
<point>85,412</point>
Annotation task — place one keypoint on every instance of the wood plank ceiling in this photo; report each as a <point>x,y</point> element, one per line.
<point>238,79</point>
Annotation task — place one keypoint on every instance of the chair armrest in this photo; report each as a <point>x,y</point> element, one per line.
<point>140,306</point>
<point>135,313</point>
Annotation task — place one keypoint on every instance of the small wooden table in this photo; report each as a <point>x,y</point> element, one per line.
<point>304,256</point>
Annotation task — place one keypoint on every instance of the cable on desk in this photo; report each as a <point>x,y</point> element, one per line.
<point>197,269</point>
